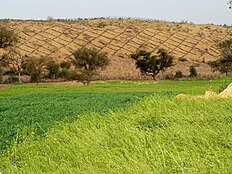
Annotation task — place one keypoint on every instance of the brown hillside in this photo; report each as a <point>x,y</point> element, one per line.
<point>120,38</point>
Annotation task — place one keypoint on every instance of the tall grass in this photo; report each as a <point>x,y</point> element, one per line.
<point>22,114</point>
<point>158,135</point>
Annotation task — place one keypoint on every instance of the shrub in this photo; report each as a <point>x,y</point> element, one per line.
<point>7,36</point>
<point>65,65</point>
<point>11,79</point>
<point>178,74</point>
<point>65,72</point>
<point>193,71</point>
<point>183,59</point>
<point>53,69</point>
<point>102,25</point>
<point>10,71</point>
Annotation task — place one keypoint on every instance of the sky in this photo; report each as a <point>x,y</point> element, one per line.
<point>196,11</point>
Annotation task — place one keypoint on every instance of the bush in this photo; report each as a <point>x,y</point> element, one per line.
<point>11,79</point>
<point>11,71</point>
<point>65,65</point>
<point>7,36</point>
<point>53,69</point>
<point>67,75</point>
<point>102,25</point>
<point>178,74</point>
<point>183,59</point>
<point>193,71</point>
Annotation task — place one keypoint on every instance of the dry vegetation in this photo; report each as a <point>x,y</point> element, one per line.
<point>121,37</point>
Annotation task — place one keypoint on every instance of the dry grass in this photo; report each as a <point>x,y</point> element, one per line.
<point>121,37</point>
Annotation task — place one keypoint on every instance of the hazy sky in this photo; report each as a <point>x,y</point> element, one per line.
<point>197,11</point>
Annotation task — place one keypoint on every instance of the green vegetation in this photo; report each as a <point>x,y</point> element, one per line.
<point>191,87</point>
<point>14,61</point>
<point>38,112</point>
<point>152,65</point>
<point>35,67</point>
<point>223,64</point>
<point>192,71</point>
<point>183,59</point>
<point>179,74</point>
<point>87,61</point>
<point>106,128</point>
<point>157,135</point>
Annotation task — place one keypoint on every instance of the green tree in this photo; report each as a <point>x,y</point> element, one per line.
<point>35,67</point>
<point>53,69</point>
<point>224,63</point>
<point>87,61</point>
<point>152,65</point>
<point>65,70</point>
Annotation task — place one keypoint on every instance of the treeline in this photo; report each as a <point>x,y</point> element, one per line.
<point>83,66</point>
<point>85,63</point>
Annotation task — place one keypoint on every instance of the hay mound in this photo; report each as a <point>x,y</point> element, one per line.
<point>209,94</point>
<point>227,92</point>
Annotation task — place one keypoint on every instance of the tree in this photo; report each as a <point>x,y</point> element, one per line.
<point>14,60</point>
<point>151,65</point>
<point>224,63</point>
<point>53,69</point>
<point>87,61</point>
<point>65,67</point>
<point>35,67</point>
<point>7,36</point>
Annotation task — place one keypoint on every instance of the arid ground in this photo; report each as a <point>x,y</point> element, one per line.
<point>120,37</point>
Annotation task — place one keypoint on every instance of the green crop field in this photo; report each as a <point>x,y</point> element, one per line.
<point>115,127</point>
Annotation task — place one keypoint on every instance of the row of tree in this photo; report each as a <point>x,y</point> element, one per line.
<point>83,65</point>
<point>85,62</point>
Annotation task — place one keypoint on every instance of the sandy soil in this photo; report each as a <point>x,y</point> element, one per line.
<point>120,38</point>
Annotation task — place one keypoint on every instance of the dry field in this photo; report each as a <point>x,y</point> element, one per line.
<point>120,38</point>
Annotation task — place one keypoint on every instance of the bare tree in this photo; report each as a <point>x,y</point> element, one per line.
<point>15,60</point>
